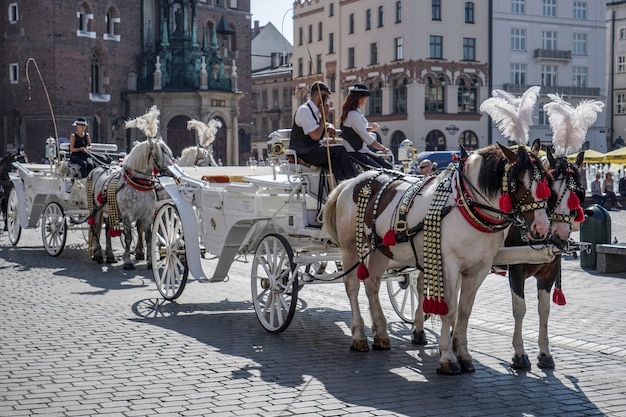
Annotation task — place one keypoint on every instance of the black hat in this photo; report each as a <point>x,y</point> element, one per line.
<point>80,121</point>
<point>319,86</point>
<point>359,88</point>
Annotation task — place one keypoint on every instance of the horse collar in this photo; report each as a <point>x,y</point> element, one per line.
<point>139,184</point>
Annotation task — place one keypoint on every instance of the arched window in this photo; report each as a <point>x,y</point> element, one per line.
<point>469,140</point>
<point>99,85</point>
<point>467,96</point>
<point>85,18</point>
<point>434,95</point>
<point>435,141</point>
<point>396,139</point>
<point>399,96</point>
<point>112,21</point>
<point>376,98</point>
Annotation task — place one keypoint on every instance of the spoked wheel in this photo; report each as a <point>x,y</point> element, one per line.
<point>53,229</point>
<point>274,283</point>
<point>169,262</point>
<point>403,294</point>
<point>13,221</point>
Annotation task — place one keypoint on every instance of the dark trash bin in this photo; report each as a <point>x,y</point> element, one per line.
<point>595,229</point>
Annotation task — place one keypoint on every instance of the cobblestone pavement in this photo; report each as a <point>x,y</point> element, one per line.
<point>82,339</point>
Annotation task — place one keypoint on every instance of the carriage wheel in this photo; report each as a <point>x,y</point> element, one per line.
<point>403,294</point>
<point>274,283</point>
<point>13,221</point>
<point>169,263</point>
<point>53,229</point>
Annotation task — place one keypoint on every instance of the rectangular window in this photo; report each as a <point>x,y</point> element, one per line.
<point>274,98</point>
<point>549,75</point>
<point>580,10</point>
<point>548,40</point>
<point>579,77</point>
<point>14,73</point>
<point>549,8</point>
<point>580,44</point>
<point>310,34</point>
<point>620,103</point>
<point>518,39</point>
<point>300,67</point>
<point>351,23</point>
<point>331,9</point>
<point>436,46</point>
<point>351,57</point>
<point>398,11</point>
<point>622,34</point>
<point>319,31</point>
<point>300,36</point>
<point>469,12</point>
<point>518,74</point>
<point>436,9</point>
<point>14,14</point>
<point>543,117</point>
<point>286,97</point>
<point>518,6</point>
<point>469,49</point>
<point>621,63</point>
<point>318,60</point>
<point>331,43</point>
<point>380,16</point>
<point>368,19</point>
<point>373,53</point>
<point>264,100</point>
<point>399,53</point>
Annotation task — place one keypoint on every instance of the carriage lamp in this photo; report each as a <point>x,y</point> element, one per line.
<point>406,153</point>
<point>51,149</point>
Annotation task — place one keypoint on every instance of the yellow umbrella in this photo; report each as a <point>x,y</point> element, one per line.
<point>528,148</point>
<point>590,156</point>
<point>618,156</point>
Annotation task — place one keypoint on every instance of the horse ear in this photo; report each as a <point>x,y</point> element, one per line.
<point>508,153</point>
<point>463,152</point>
<point>550,156</point>
<point>536,146</point>
<point>579,159</point>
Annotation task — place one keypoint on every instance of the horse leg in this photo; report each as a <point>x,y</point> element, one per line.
<point>418,335</point>
<point>128,239</point>
<point>377,264</point>
<point>140,253</point>
<point>148,233</point>
<point>94,239</point>
<point>352,283</point>
<point>520,359</point>
<point>544,286</point>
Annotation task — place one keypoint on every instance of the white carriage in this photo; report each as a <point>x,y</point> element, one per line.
<point>274,216</point>
<point>51,196</point>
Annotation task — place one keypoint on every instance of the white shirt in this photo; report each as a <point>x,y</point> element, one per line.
<point>304,118</point>
<point>358,122</point>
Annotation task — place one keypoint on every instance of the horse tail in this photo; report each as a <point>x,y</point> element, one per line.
<point>330,210</point>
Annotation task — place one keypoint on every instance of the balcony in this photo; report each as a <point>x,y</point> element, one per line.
<point>552,54</point>
<point>561,90</point>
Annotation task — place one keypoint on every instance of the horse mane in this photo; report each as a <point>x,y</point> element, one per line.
<point>492,168</point>
<point>139,156</point>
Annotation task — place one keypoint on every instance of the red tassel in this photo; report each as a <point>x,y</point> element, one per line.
<point>427,305</point>
<point>100,199</point>
<point>442,307</point>
<point>390,238</point>
<point>114,232</point>
<point>361,272</point>
<point>580,215</point>
<point>558,297</point>
<point>543,191</point>
<point>91,221</point>
<point>573,202</point>
<point>505,203</point>
<point>155,171</point>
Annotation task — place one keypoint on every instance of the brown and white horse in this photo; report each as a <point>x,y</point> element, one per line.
<point>563,209</point>
<point>450,225</point>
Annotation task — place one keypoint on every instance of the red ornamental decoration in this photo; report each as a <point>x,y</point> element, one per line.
<point>558,297</point>
<point>100,199</point>
<point>389,239</point>
<point>580,215</point>
<point>543,191</point>
<point>573,202</point>
<point>505,203</point>
<point>361,272</point>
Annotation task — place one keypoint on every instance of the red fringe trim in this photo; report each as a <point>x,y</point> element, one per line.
<point>113,232</point>
<point>573,202</point>
<point>91,220</point>
<point>505,203</point>
<point>543,191</point>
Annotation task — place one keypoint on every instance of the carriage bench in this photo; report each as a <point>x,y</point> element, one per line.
<point>611,258</point>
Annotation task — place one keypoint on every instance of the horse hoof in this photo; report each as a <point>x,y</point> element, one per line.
<point>449,369</point>
<point>381,344</point>
<point>467,366</point>
<point>140,257</point>
<point>359,346</point>
<point>521,363</point>
<point>419,338</point>
<point>98,259</point>
<point>111,259</point>
<point>545,361</point>
<point>129,266</point>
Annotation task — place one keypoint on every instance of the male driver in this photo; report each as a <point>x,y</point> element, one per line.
<point>307,134</point>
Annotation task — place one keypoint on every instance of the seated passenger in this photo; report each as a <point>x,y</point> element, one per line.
<point>307,135</point>
<point>357,133</point>
<point>79,144</point>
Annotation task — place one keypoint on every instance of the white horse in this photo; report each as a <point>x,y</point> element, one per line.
<point>127,195</point>
<point>450,225</point>
<point>202,153</point>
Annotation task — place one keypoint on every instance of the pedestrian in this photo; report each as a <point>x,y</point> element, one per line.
<point>426,167</point>
<point>80,143</point>
<point>607,187</point>
<point>358,135</point>
<point>310,125</point>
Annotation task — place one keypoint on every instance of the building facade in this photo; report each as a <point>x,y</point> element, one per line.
<point>616,74</point>
<point>425,63</point>
<point>110,62</point>
<point>558,45</point>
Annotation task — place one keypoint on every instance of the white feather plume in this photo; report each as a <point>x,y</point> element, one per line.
<point>512,115</point>
<point>569,124</point>
<point>148,123</point>
<point>206,132</point>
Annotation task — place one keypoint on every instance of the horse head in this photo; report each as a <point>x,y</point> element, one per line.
<point>564,204</point>
<point>161,154</point>
<point>525,191</point>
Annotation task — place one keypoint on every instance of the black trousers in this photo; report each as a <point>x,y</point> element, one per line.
<point>340,160</point>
